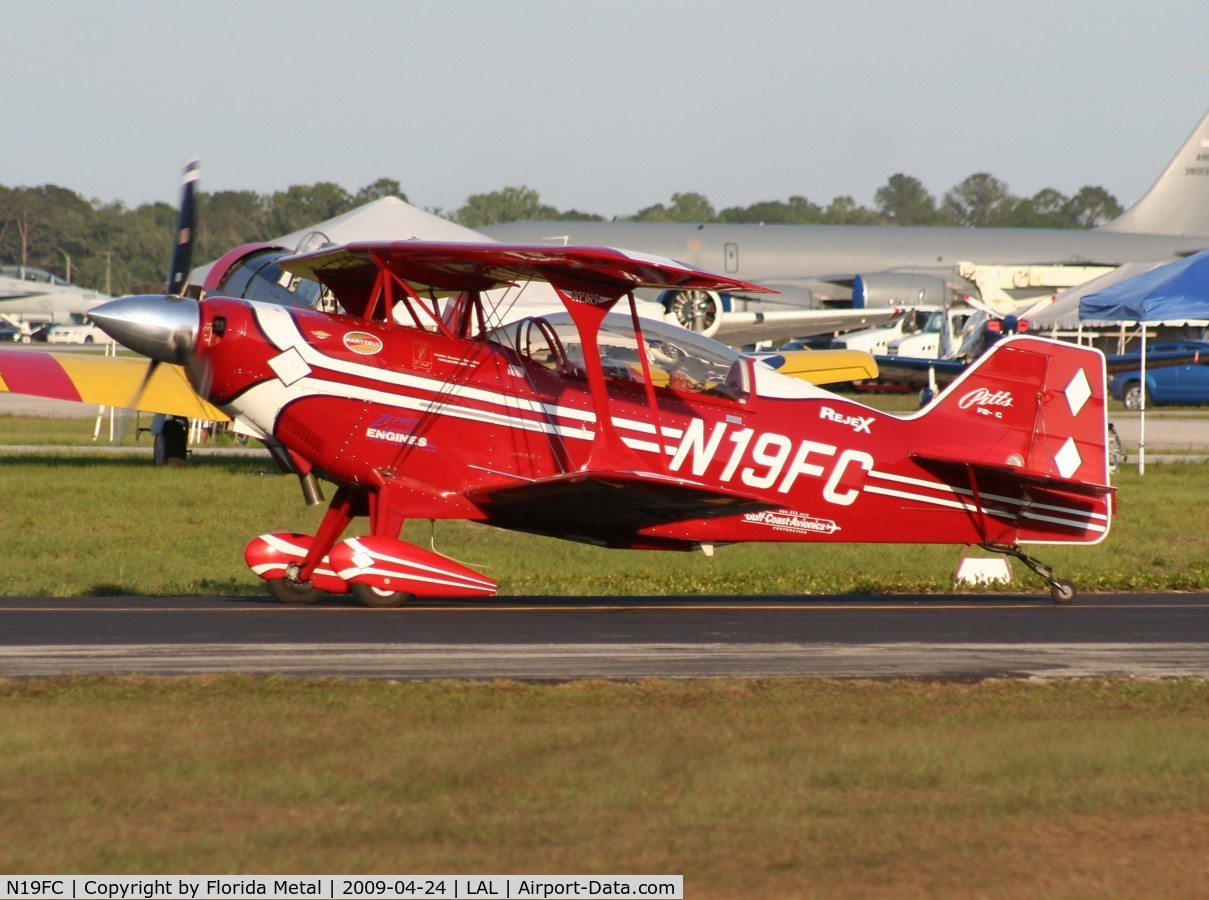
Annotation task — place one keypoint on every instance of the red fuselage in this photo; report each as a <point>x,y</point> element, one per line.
<point>445,427</point>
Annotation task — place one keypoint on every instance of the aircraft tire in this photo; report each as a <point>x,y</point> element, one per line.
<point>1062,591</point>
<point>293,593</point>
<point>172,443</point>
<point>376,599</point>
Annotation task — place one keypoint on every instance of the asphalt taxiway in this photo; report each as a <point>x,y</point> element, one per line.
<point>964,636</point>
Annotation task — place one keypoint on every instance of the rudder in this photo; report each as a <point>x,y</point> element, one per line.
<point>1031,407</point>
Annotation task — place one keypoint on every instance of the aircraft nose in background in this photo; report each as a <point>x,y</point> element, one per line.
<point>159,326</point>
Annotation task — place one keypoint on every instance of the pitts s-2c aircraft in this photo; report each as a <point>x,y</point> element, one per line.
<point>598,427</point>
<point>605,428</point>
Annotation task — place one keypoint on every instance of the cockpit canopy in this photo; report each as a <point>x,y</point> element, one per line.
<point>257,276</point>
<point>30,273</point>
<point>675,357</point>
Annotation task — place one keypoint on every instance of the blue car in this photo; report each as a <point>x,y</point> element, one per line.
<point>1185,384</point>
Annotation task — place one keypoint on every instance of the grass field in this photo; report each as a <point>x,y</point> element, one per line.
<point>79,525</point>
<point>747,788</point>
<point>795,788</point>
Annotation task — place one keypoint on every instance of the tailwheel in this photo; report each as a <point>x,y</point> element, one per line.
<point>377,598</point>
<point>1062,591</point>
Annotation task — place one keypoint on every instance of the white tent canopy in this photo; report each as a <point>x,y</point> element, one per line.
<point>393,219</point>
<point>1063,313</point>
<point>386,219</point>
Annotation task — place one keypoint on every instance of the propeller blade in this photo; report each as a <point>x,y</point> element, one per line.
<point>142,388</point>
<point>186,223</point>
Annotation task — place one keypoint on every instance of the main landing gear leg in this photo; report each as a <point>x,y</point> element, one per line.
<point>1061,590</point>
<point>296,586</point>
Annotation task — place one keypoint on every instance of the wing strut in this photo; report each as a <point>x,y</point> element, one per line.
<point>648,384</point>
<point>588,308</point>
<point>979,512</point>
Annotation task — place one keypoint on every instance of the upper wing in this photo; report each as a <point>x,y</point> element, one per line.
<point>352,271</point>
<point>106,381</point>
<point>739,328</point>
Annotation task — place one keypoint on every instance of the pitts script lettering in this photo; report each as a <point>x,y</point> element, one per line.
<point>982,397</point>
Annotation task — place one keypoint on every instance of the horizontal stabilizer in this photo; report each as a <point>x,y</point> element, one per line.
<point>1040,479</point>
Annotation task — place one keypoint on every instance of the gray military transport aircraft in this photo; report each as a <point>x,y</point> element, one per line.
<point>877,266</point>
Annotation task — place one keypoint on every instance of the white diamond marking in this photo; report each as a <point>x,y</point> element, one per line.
<point>1078,392</point>
<point>1068,459</point>
<point>289,366</point>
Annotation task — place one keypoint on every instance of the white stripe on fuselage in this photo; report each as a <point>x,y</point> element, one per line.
<point>283,332</point>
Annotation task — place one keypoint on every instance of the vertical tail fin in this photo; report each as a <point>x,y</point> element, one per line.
<point>1032,408</point>
<point>1178,202</point>
<point>1023,437</point>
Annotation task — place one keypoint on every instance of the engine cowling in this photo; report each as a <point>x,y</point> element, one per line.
<point>899,289</point>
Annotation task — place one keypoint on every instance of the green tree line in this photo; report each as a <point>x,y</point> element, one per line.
<point>111,247</point>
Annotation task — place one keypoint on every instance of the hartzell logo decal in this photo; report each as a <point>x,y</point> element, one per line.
<point>362,343</point>
<point>980,399</point>
<point>784,520</point>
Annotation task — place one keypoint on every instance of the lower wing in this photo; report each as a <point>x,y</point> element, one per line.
<point>105,381</point>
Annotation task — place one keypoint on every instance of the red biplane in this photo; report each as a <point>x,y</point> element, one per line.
<point>591,425</point>
<point>604,428</point>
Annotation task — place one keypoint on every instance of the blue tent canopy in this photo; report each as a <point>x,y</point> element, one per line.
<point>1176,292</point>
<point>1171,293</point>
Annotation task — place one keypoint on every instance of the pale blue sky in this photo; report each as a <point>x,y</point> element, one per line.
<point>603,107</point>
